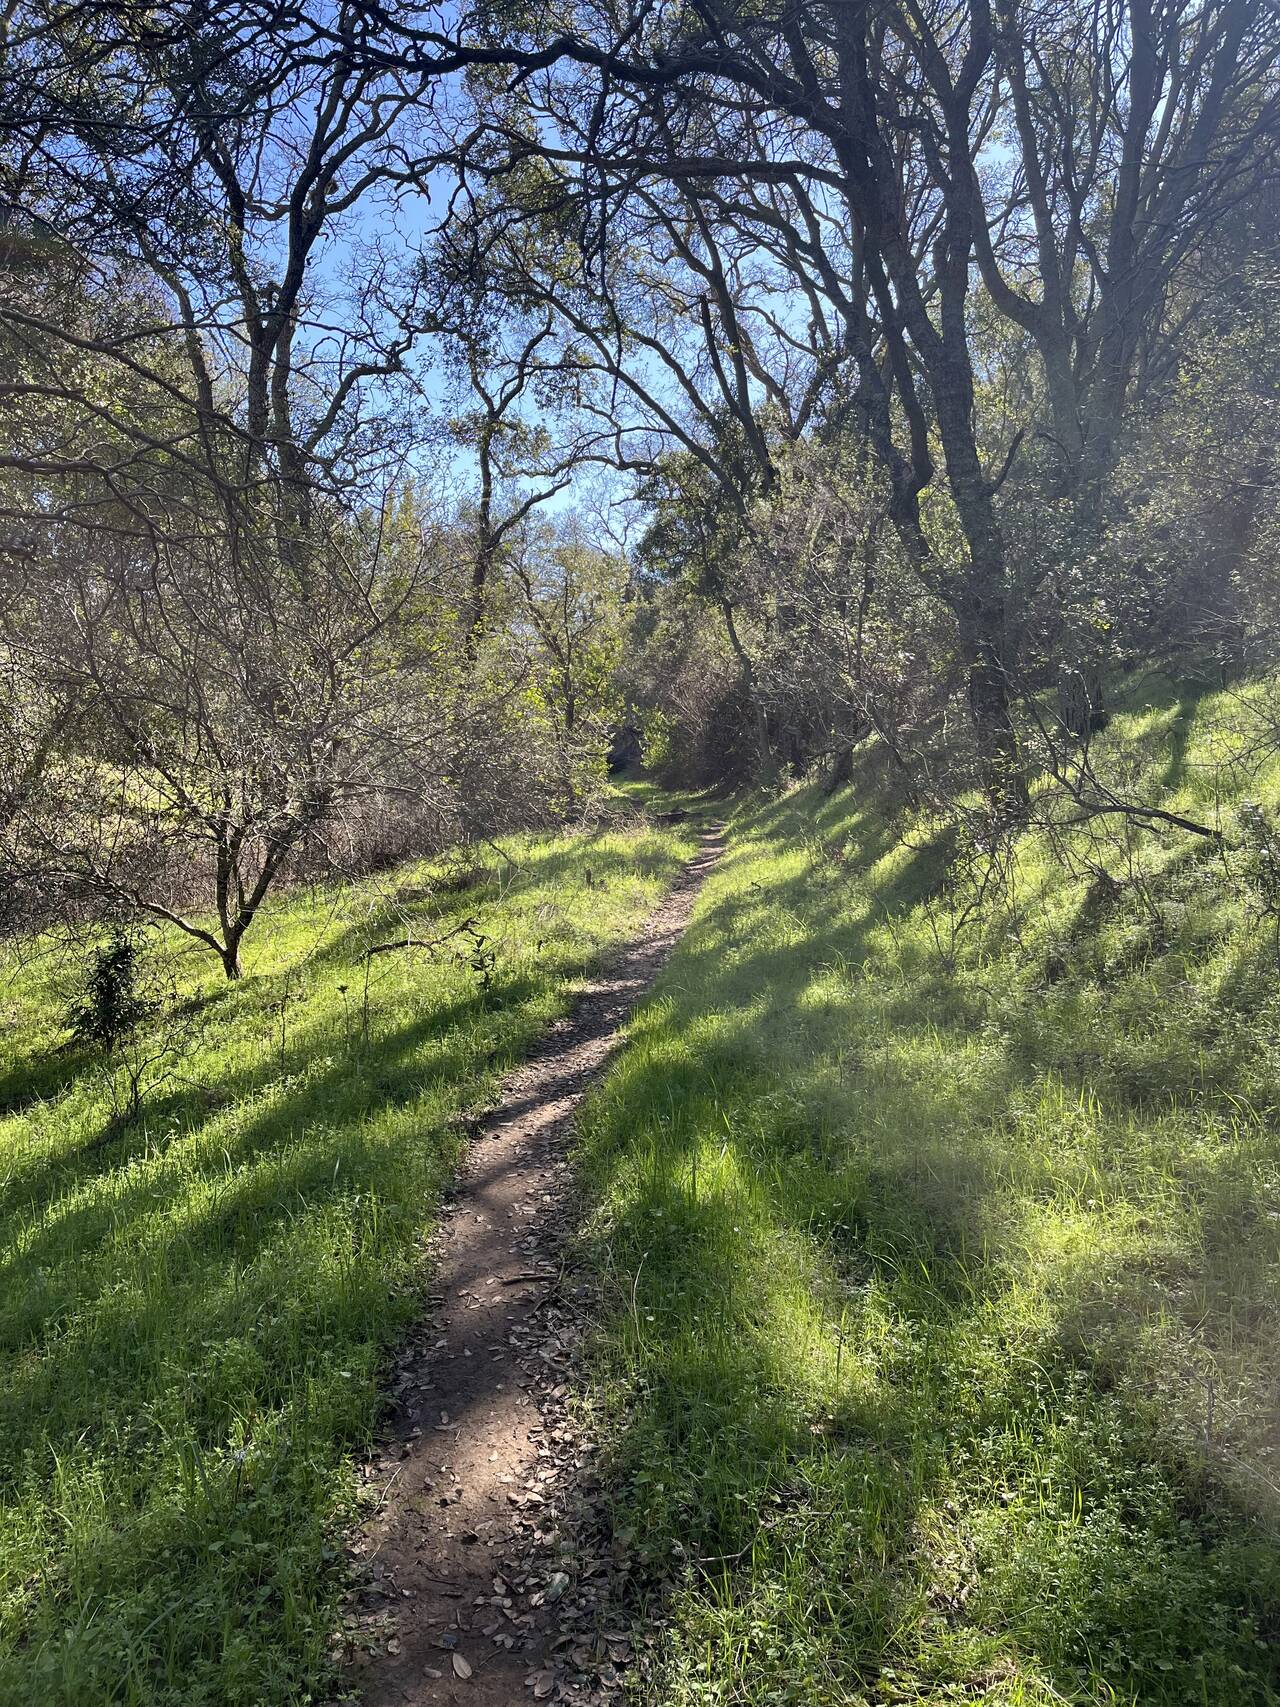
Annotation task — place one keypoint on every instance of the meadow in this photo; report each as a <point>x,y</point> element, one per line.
<point>198,1303</point>
<point>942,1360</point>
<point>938,1224</point>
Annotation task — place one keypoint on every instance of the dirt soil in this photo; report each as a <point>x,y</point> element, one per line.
<point>488,1574</point>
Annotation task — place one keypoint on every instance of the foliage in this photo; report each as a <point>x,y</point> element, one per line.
<point>111,1006</point>
<point>926,356</point>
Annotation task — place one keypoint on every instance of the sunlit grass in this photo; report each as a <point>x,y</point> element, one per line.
<point>944,1359</point>
<point>195,1307</point>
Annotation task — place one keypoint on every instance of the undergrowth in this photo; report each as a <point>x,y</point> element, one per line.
<point>944,1359</point>
<point>196,1301</point>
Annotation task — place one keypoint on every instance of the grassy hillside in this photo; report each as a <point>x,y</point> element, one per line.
<point>195,1306</point>
<point>944,1362</point>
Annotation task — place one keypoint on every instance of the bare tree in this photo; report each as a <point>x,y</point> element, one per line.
<point>209,551</point>
<point>223,717</point>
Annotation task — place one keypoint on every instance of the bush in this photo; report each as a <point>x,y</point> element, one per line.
<point>111,1006</point>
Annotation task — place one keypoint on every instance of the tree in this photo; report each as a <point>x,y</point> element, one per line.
<point>224,714</point>
<point>1068,159</point>
<point>208,556</point>
<point>505,360</point>
<point>571,595</point>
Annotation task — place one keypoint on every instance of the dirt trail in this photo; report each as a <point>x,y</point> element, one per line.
<point>480,1586</point>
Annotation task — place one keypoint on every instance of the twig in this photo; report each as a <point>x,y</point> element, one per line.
<point>419,942</point>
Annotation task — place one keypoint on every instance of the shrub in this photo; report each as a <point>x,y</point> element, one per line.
<point>111,1007</point>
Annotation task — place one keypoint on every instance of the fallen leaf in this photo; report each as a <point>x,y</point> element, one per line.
<point>462,1667</point>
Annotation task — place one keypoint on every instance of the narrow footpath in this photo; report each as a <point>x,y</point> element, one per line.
<point>485,1574</point>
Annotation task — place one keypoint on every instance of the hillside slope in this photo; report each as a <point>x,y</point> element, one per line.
<point>199,1304</point>
<point>944,1359</point>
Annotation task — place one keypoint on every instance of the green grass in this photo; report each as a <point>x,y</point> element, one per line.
<point>944,1359</point>
<point>195,1308</point>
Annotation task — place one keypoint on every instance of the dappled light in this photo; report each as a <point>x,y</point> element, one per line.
<point>639,853</point>
<point>949,1357</point>
<point>196,1314</point>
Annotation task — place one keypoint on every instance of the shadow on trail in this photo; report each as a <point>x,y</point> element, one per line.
<point>193,1317</point>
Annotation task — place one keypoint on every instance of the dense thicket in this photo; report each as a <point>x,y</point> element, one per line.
<point>921,291</point>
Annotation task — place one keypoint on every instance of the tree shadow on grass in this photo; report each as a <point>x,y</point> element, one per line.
<point>431,913</point>
<point>30,1080</point>
<point>217,1586</point>
<point>210,1574</point>
<point>233,1313</point>
<point>236,1303</point>
<point>801,1513</point>
<point>196,1329</point>
<point>449,1044</point>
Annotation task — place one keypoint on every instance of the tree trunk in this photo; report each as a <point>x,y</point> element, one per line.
<point>764,747</point>
<point>1003,773</point>
<point>978,594</point>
